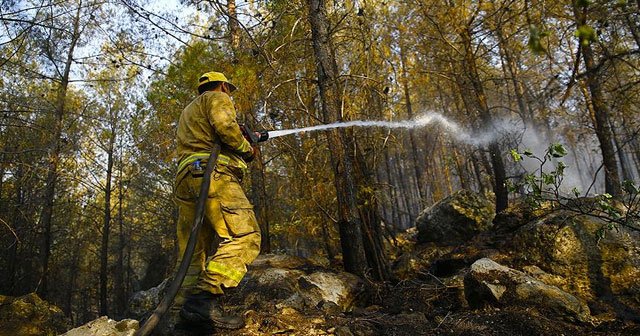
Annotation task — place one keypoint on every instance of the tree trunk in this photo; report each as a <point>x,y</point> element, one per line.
<point>480,104</point>
<point>326,241</point>
<point>260,197</point>
<point>601,119</point>
<point>70,290</point>
<point>625,165</point>
<point>371,221</point>
<point>460,168</point>
<point>478,173</point>
<point>525,111</point>
<point>120,288</point>
<point>327,69</point>
<point>417,159</point>
<point>635,144</point>
<point>394,198</point>
<point>106,227</point>
<point>55,150</point>
<point>234,27</point>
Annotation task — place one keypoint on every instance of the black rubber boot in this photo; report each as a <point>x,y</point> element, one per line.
<point>204,307</point>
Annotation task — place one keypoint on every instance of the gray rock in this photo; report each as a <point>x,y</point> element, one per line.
<point>489,283</point>
<point>297,284</point>
<point>327,287</point>
<point>455,219</point>
<point>278,261</point>
<point>105,326</point>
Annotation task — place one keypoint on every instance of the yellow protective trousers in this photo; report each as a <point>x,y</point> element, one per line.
<point>229,214</point>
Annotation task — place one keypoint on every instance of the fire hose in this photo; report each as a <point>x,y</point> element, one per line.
<point>167,300</point>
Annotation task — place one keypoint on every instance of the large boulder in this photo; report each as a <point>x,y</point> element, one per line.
<point>456,218</point>
<point>489,283</point>
<point>277,282</point>
<point>30,315</point>
<point>105,326</point>
<point>582,256</point>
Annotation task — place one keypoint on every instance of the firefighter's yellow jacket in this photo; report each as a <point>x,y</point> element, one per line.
<point>208,119</point>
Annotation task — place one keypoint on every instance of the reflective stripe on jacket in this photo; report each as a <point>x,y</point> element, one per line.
<point>208,119</point>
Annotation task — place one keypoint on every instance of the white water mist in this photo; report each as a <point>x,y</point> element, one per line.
<point>454,129</point>
<point>514,131</point>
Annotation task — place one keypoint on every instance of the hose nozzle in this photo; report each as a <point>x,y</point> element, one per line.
<point>253,136</point>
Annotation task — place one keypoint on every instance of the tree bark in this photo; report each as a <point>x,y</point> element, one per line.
<point>370,218</point>
<point>480,104</point>
<point>525,109</point>
<point>234,26</point>
<point>349,222</point>
<point>394,198</point>
<point>55,150</point>
<point>417,158</point>
<point>120,287</point>
<point>625,165</point>
<point>601,112</point>
<point>106,228</point>
<point>259,196</point>
<point>478,174</point>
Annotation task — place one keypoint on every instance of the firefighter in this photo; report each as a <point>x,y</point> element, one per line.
<point>211,118</point>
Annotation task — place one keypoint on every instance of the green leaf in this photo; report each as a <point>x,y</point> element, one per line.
<point>515,156</point>
<point>529,178</point>
<point>575,191</point>
<point>534,39</point>
<point>586,34</point>
<point>528,153</point>
<point>560,168</point>
<point>557,150</point>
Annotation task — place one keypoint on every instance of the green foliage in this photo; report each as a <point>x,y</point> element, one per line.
<point>535,37</point>
<point>583,3</point>
<point>541,181</point>
<point>586,34</point>
<point>557,150</point>
<point>515,155</point>
<point>543,187</point>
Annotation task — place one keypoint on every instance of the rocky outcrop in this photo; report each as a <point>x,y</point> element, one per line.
<point>280,285</point>
<point>105,326</point>
<point>489,283</point>
<point>277,281</point>
<point>455,219</point>
<point>581,255</point>
<point>30,315</point>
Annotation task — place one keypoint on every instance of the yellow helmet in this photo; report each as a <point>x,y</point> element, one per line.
<point>213,76</point>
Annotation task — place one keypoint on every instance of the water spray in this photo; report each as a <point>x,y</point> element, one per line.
<point>453,128</point>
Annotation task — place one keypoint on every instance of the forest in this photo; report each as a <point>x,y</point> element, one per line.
<point>91,92</point>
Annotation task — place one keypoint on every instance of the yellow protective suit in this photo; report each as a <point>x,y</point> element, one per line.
<point>208,119</point>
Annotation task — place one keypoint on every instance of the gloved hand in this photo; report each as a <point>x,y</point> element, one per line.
<point>249,156</point>
<point>247,132</point>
